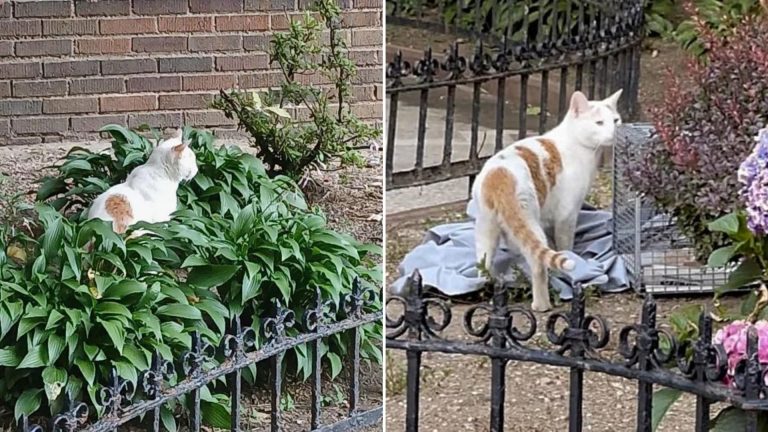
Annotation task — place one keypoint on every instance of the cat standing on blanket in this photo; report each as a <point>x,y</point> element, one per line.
<point>540,183</point>
<point>149,192</point>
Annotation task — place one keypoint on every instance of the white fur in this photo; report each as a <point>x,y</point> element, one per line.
<point>579,139</point>
<point>151,188</point>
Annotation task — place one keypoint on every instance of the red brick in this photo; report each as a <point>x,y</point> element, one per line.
<point>21,28</point>
<point>242,23</point>
<point>257,42</point>
<point>38,48</point>
<point>186,64</point>
<point>71,68</point>
<point>37,125</point>
<point>96,85</point>
<point>270,5</point>
<point>215,43</point>
<point>281,22</point>
<point>70,26</point>
<point>103,46</point>
<point>364,93</point>
<point>186,24</point>
<point>42,9</point>
<point>52,138</point>
<point>5,129</point>
<point>20,70</point>
<point>185,101</point>
<point>25,141</point>
<point>361,19</point>
<point>368,110</point>
<point>366,57</point>
<point>128,66</point>
<point>39,88</point>
<point>368,4</point>
<point>155,120</point>
<point>20,107</point>
<point>153,84</point>
<point>207,118</point>
<point>6,48</point>
<point>210,82</point>
<point>5,89</point>
<point>70,105</point>
<point>367,37</point>
<point>208,6</point>
<point>164,7</point>
<point>367,76</point>
<point>261,80</point>
<point>92,123</point>
<point>160,44</point>
<point>102,7</point>
<point>128,103</point>
<point>127,26</point>
<point>242,62</point>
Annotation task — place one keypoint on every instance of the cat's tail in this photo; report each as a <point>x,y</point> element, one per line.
<point>119,208</point>
<point>499,194</point>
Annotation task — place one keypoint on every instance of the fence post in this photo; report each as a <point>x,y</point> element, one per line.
<point>414,315</point>
<point>499,322</point>
<point>753,377</point>
<point>647,342</point>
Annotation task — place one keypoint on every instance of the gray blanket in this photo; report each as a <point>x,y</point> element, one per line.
<point>446,259</point>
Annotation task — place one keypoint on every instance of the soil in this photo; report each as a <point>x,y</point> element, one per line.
<point>455,389</point>
<point>350,197</point>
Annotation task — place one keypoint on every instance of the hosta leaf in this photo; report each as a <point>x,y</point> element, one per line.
<point>33,358</point>
<point>53,319</point>
<point>663,399</point>
<point>283,284</point>
<point>250,287</point>
<point>215,415</point>
<point>56,345</point>
<point>54,379</point>
<point>107,308</point>
<point>135,357</point>
<point>50,187</point>
<point>115,332</point>
<point>9,357</point>
<point>127,371</point>
<point>179,311</point>
<point>166,416</point>
<point>211,276</point>
<point>194,261</point>
<point>216,311</point>
<point>28,403</point>
<point>124,288</point>
<point>88,369</point>
<point>335,364</point>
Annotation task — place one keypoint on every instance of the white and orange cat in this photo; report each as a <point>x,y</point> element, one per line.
<point>149,192</point>
<point>539,184</point>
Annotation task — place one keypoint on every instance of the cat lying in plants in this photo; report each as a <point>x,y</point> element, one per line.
<point>149,192</point>
<point>540,183</point>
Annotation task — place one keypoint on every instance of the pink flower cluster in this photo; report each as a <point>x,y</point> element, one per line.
<point>733,337</point>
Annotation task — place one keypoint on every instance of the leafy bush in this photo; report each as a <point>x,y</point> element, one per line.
<point>293,146</point>
<point>712,16</point>
<point>239,241</point>
<point>704,130</point>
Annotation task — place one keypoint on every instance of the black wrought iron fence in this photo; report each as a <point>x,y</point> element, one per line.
<point>239,352</point>
<point>557,46</point>
<point>500,332</point>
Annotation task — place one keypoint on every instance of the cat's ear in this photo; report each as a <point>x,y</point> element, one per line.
<point>613,100</point>
<point>579,103</point>
<point>177,149</point>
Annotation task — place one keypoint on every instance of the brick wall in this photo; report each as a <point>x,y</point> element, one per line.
<point>68,67</point>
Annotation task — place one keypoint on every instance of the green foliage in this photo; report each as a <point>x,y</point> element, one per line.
<point>745,249</point>
<point>240,239</point>
<point>663,400</point>
<point>292,146</point>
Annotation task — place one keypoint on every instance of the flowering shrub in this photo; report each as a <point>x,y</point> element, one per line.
<point>753,174</point>
<point>733,337</point>
<point>704,130</point>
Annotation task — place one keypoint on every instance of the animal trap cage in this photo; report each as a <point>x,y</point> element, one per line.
<point>659,258</point>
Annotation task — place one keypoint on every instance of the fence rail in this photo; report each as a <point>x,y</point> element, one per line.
<point>647,353</point>
<point>238,350</point>
<point>571,45</point>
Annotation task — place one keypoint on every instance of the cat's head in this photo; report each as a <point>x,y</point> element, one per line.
<point>176,154</point>
<point>594,123</point>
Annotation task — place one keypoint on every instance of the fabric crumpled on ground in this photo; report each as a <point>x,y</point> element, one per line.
<point>446,259</point>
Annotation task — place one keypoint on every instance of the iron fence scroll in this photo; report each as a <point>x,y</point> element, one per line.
<point>238,350</point>
<point>558,45</point>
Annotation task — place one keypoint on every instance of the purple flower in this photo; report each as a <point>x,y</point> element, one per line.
<point>753,175</point>
<point>733,337</point>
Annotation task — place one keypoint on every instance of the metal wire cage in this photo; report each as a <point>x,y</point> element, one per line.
<point>659,258</point>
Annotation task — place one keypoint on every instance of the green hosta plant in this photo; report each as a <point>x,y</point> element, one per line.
<point>80,301</point>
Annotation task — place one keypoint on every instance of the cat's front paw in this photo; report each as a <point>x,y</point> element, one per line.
<point>541,306</point>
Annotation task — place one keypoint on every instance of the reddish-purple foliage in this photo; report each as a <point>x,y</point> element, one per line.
<point>706,127</point>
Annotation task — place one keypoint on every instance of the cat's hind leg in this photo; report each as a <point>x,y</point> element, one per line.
<point>487,233</point>
<point>539,276</point>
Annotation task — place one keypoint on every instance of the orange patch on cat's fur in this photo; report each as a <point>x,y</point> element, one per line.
<point>499,194</point>
<point>553,165</point>
<point>119,208</point>
<point>534,167</point>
